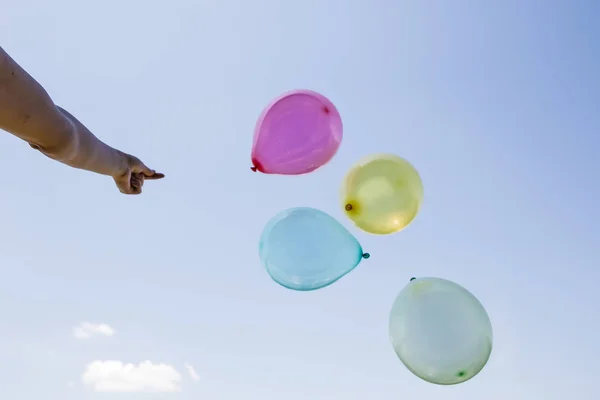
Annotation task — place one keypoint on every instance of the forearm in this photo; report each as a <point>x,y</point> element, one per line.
<point>88,152</point>
<point>27,111</point>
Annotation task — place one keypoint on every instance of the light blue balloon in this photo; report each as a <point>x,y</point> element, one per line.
<point>306,249</point>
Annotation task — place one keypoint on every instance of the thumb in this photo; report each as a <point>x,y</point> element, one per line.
<point>147,171</point>
<point>139,167</point>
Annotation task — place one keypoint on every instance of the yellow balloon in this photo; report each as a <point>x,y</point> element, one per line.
<point>382,194</point>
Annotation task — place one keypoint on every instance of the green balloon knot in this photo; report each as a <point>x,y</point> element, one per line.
<point>412,279</point>
<point>460,374</point>
<point>366,255</point>
<point>348,207</point>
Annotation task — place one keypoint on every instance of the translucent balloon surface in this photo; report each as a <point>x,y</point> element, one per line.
<point>382,194</point>
<point>297,133</point>
<point>306,249</point>
<point>440,331</point>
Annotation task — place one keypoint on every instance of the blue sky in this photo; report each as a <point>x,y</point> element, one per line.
<point>496,104</point>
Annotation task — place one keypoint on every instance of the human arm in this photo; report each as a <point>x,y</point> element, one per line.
<point>28,112</point>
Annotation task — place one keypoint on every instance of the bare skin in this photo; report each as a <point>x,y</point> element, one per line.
<point>28,112</point>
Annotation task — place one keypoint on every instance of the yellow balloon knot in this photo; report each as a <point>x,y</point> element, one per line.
<point>351,208</point>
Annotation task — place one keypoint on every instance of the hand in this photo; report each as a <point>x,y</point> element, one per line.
<point>132,179</point>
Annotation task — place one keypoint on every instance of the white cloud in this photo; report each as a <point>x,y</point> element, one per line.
<point>192,372</point>
<point>116,377</point>
<point>86,330</point>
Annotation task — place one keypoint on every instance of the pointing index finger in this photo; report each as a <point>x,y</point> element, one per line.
<point>154,176</point>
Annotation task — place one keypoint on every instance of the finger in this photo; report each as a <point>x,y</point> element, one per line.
<point>155,176</point>
<point>139,176</point>
<point>137,182</point>
<point>142,168</point>
<point>135,190</point>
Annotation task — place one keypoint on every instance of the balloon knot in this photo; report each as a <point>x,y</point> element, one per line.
<point>348,207</point>
<point>412,279</point>
<point>366,255</point>
<point>254,169</point>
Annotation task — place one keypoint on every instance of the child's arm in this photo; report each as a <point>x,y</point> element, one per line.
<point>27,111</point>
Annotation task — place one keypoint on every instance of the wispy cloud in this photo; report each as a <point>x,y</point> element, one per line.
<point>86,330</point>
<point>192,372</point>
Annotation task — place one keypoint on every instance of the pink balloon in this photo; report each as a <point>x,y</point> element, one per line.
<point>297,133</point>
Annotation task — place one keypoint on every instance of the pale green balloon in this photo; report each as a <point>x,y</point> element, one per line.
<point>440,331</point>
